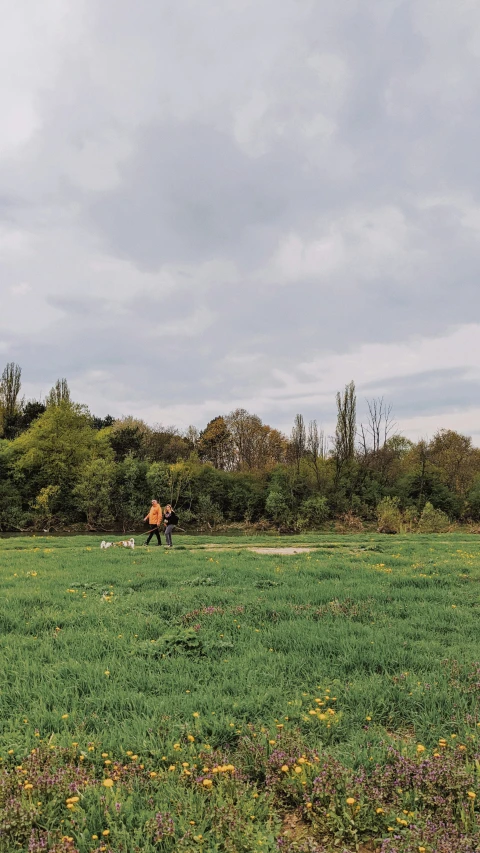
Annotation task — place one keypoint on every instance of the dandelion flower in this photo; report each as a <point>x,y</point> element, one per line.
<point>350,801</point>
<point>108,783</point>
<point>284,768</point>
<point>471,794</point>
<point>207,783</point>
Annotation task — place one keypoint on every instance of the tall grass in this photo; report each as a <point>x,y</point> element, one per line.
<point>116,650</point>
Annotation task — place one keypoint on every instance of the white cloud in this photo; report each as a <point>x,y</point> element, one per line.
<point>360,244</point>
<point>20,289</point>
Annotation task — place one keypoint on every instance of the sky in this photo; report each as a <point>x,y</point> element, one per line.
<point>243,203</point>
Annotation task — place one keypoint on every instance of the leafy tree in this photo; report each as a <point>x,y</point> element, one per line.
<point>55,448</point>
<point>46,506</point>
<point>344,443</point>
<point>473,500</point>
<point>298,441</point>
<point>10,406</point>
<point>60,393</point>
<point>215,444</point>
<point>208,512</point>
<point>12,514</point>
<point>127,437</point>
<point>30,412</point>
<point>103,423</point>
<point>130,491</point>
<point>277,508</point>
<point>93,491</point>
<point>455,456</point>
<point>313,513</point>
<point>158,481</point>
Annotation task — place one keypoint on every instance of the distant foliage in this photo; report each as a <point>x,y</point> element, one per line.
<point>313,513</point>
<point>389,516</point>
<point>433,520</point>
<point>62,467</point>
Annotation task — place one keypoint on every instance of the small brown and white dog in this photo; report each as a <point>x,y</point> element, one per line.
<point>125,543</point>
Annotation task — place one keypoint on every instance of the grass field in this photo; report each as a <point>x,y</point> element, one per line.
<point>224,700</point>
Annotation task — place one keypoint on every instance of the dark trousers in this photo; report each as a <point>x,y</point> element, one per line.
<point>154,531</point>
<point>168,534</point>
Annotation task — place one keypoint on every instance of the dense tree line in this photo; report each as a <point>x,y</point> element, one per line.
<point>62,467</point>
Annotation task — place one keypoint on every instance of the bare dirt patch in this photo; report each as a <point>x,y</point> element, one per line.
<point>286,551</point>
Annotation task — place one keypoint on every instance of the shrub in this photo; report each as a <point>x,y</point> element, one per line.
<point>389,516</point>
<point>208,512</point>
<point>276,507</point>
<point>433,520</point>
<point>313,512</point>
<point>411,518</point>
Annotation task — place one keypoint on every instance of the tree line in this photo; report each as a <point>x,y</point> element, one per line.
<point>63,468</point>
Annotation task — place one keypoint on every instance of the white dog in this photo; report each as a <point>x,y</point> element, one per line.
<point>125,543</point>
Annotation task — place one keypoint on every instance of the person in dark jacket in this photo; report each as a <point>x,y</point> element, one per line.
<point>170,519</point>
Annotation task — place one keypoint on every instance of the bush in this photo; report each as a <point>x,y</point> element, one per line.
<point>276,507</point>
<point>433,520</point>
<point>208,512</point>
<point>313,512</point>
<point>389,516</point>
<point>411,518</point>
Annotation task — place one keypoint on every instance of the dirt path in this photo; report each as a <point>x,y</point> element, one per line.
<point>286,551</point>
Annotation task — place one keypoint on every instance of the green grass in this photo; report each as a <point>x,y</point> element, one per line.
<point>130,644</point>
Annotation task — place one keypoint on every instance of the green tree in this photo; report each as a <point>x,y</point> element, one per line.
<point>10,405</point>
<point>346,429</point>
<point>132,497</point>
<point>215,444</point>
<point>54,450</point>
<point>277,508</point>
<point>158,482</point>
<point>60,393</point>
<point>455,456</point>
<point>313,513</point>
<point>94,491</point>
<point>298,441</point>
<point>46,506</point>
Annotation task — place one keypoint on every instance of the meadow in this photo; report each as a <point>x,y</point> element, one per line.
<point>213,698</point>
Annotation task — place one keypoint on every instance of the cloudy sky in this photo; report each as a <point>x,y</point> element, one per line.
<point>243,203</point>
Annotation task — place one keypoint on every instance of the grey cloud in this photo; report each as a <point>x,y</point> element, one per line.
<point>179,135</point>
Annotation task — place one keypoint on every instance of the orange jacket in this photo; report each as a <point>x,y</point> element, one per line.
<point>155,514</point>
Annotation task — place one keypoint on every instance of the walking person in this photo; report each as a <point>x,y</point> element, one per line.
<point>154,518</point>
<point>170,519</point>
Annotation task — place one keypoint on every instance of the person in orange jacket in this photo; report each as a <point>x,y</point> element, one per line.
<point>154,518</point>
